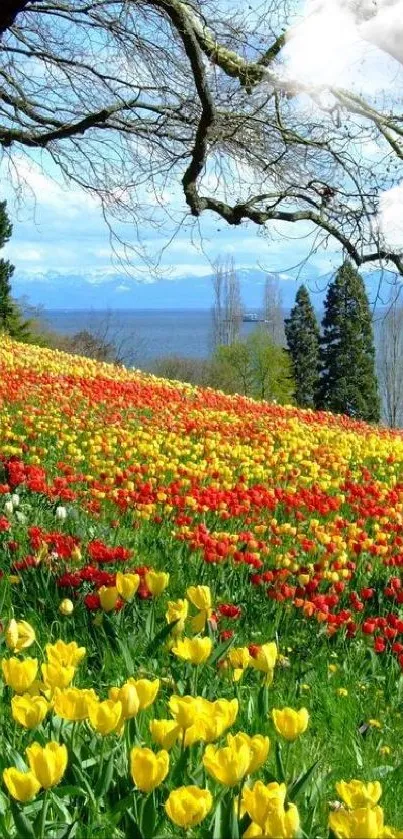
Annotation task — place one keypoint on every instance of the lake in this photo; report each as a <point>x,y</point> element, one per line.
<point>147,333</point>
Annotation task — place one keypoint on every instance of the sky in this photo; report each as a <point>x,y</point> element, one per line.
<point>58,230</point>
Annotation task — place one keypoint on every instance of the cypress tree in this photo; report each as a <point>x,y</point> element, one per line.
<point>302,333</point>
<point>11,321</point>
<point>348,382</point>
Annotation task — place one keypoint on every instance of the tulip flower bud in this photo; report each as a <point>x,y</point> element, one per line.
<point>19,675</point>
<point>188,806</point>
<point>48,763</point>
<point>156,582</point>
<point>148,770</point>
<point>66,607</point>
<point>290,723</point>
<point>23,786</point>
<point>29,711</point>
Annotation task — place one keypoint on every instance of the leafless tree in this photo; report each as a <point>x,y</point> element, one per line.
<point>106,337</point>
<point>227,307</point>
<point>389,330</point>
<point>131,97</point>
<point>273,310</point>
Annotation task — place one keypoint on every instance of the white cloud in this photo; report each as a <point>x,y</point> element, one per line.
<point>28,177</point>
<point>333,44</point>
<point>24,253</point>
<point>122,288</point>
<point>391,216</point>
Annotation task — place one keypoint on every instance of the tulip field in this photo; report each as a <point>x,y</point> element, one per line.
<point>201,609</point>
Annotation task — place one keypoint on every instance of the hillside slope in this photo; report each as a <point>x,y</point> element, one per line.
<point>206,546</point>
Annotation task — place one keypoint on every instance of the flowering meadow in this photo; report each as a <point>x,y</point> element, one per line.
<point>201,608</point>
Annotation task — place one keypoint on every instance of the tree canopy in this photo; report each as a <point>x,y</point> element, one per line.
<point>138,95</point>
<point>348,383</point>
<point>302,333</point>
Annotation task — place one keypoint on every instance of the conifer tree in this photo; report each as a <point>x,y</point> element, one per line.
<point>11,321</point>
<point>302,333</point>
<point>348,380</point>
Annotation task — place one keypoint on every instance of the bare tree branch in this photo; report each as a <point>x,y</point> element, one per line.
<point>128,95</point>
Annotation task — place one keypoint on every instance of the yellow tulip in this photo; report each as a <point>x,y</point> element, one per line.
<point>72,704</point>
<point>264,803</point>
<point>290,723</point>
<point>186,710</point>
<point>105,717</point>
<point>19,635</point>
<point>216,718</point>
<point>258,746</point>
<point>188,806</point>
<point>66,655</point>
<point>146,691</point>
<point>265,660</point>
<point>23,786</point>
<point>29,711</point>
<point>199,621</point>
<point>66,607</point>
<point>239,658</point>
<point>127,584</point>
<point>164,732</point>
<point>177,611</point>
<point>362,823</point>
<point>128,697</point>
<point>156,582</point>
<point>57,675</point>
<point>108,596</point>
<point>358,793</point>
<point>148,769</point>
<point>200,596</point>
<point>19,675</point>
<point>195,650</point>
<point>229,764</point>
<point>48,763</point>
<point>76,555</point>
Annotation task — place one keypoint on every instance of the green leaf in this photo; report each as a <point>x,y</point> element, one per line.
<point>157,640</point>
<point>263,701</point>
<point>298,785</point>
<point>68,791</point>
<point>148,816</point>
<point>105,780</point>
<point>23,827</point>
<point>221,650</point>
<point>127,657</point>
<point>226,824</point>
<point>133,829</point>
<point>279,763</point>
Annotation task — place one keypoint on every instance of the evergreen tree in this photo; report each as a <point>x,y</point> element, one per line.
<point>302,333</point>
<point>348,381</point>
<point>11,320</point>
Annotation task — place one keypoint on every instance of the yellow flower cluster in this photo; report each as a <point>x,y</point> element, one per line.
<point>361,817</point>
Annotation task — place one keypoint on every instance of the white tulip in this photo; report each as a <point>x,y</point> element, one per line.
<point>61,513</point>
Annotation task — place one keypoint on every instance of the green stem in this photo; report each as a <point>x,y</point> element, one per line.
<point>42,824</point>
<point>183,741</point>
<point>239,802</point>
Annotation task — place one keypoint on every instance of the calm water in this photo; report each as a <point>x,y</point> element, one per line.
<point>146,334</point>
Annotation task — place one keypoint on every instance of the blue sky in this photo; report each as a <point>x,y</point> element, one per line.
<point>59,229</point>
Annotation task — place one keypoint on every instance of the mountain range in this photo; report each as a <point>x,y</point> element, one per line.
<point>99,291</point>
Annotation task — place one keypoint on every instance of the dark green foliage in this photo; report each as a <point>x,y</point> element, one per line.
<point>348,381</point>
<point>302,333</point>
<point>11,321</point>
